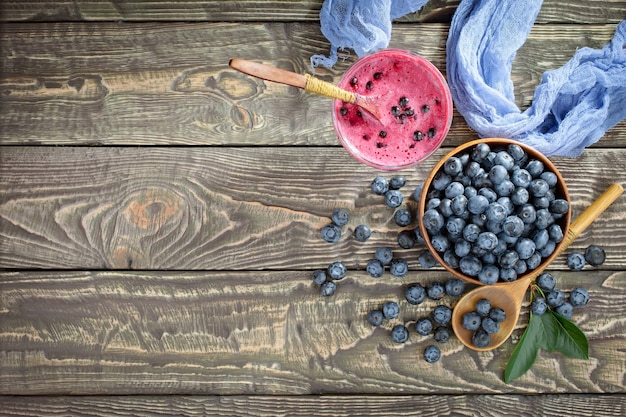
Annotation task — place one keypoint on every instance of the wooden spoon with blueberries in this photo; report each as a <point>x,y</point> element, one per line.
<point>509,296</point>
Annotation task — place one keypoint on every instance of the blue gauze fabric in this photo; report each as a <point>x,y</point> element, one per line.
<point>361,25</point>
<point>572,107</point>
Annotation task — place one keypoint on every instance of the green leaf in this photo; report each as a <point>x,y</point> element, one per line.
<point>525,352</point>
<point>551,328</point>
<point>571,341</point>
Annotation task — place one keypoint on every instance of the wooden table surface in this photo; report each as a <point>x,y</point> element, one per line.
<point>160,219</point>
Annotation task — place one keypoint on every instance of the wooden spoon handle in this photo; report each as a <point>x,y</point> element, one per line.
<point>306,82</point>
<point>592,212</point>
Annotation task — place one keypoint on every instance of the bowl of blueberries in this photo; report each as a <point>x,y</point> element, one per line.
<point>493,210</point>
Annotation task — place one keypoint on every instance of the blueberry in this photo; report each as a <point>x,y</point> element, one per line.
<point>406,239</point>
<point>391,310</point>
<point>555,298</point>
<point>459,205</point>
<point>441,334</point>
<point>403,217</point>
<point>397,182</point>
<point>497,314</point>
<point>424,326</point>
<point>483,306</point>
<point>362,233</point>
<point>435,290</point>
<point>508,259</point>
<point>328,288</point>
<point>520,196</point>
<point>454,189</point>
<point>489,274</point>
<point>445,207</point>
<point>432,354</point>
<point>403,102</point>
<point>527,213</point>
<point>538,187</point>
<point>331,233</point>
<point>481,338</point>
<point>595,255</point>
<point>480,152</point>
<point>505,159</point>
<point>393,198</point>
<point>471,321</point>
<point>505,188</point>
<point>576,261</point>
<point>417,193</point>
<point>450,258</point>
<point>520,267</point>
<point>544,219</point>
<point>336,270</point>
<point>472,169</point>
<point>455,225</point>
<point>490,325</point>
<point>471,232</point>
<point>426,259</point>
<point>340,217</point>
<point>319,276</point>
<point>375,317</point>
<point>525,248</point>
<point>513,226</point>
<point>546,282</point>
<point>462,248</point>
<point>559,206</point>
<point>399,334</point>
<point>498,174</point>
<point>398,267</point>
<point>477,204</point>
<point>487,241</point>
<point>516,151</point>
<point>579,297</point>
<point>541,238</point>
<point>538,306</point>
<point>508,205</point>
<point>418,235</point>
<point>384,255</point>
<point>415,294</point>
<point>470,265</point>
<point>375,268</point>
<point>380,185</point>
<point>433,203</point>
<point>535,167</point>
<point>469,191</point>
<point>521,178</point>
<point>442,315</point>
<point>454,287</point>
<point>433,221</point>
<point>440,243</point>
<point>489,194</point>
<point>453,166</point>
<point>534,261</point>
<point>566,310</point>
<point>508,274</point>
<point>496,212</point>
<point>550,178</point>
<point>548,249</point>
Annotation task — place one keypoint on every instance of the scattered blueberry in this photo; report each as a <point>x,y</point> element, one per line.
<point>566,310</point>
<point>432,354</point>
<point>442,334</point>
<point>340,217</point>
<point>435,290</point>
<point>538,306</point>
<point>406,239</point>
<point>481,338</point>
<point>555,298</point>
<point>578,297</point>
<point>403,217</point>
<point>483,307</point>
<point>319,276</point>
<point>595,255</point>
<point>391,310</point>
<point>415,294</point>
<point>398,267</point>
<point>331,233</point>
<point>375,318</point>
<point>393,198</point>
<point>375,268</point>
<point>424,326</point>
<point>362,233</point>
<point>399,334</point>
<point>384,255</point>
<point>442,315</point>
<point>426,259</point>
<point>380,185</point>
<point>455,287</point>
<point>546,282</point>
<point>328,288</point>
<point>576,261</point>
<point>337,270</point>
<point>397,182</point>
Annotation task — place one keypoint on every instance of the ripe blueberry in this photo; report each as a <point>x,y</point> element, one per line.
<point>415,294</point>
<point>331,233</point>
<point>576,261</point>
<point>391,310</point>
<point>578,297</point>
<point>362,233</point>
<point>432,354</point>
<point>399,334</point>
<point>399,267</point>
<point>375,317</point>
<point>375,268</point>
<point>595,255</point>
<point>340,217</point>
<point>424,326</point>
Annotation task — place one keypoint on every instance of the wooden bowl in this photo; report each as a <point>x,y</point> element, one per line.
<point>495,143</point>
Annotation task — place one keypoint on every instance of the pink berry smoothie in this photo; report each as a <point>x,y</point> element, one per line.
<point>415,103</point>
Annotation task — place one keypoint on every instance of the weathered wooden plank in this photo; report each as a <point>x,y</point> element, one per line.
<point>594,11</point>
<point>269,333</point>
<point>225,208</point>
<point>147,84</point>
<point>324,405</point>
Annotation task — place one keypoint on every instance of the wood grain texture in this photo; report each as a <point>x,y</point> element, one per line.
<point>156,84</point>
<point>326,405</point>
<point>226,208</point>
<point>594,11</point>
<point>269,333</point>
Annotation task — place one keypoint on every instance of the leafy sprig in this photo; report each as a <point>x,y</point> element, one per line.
<point>550,332</point>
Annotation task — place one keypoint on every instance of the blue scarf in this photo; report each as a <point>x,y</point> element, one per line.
<point>573,106</point>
